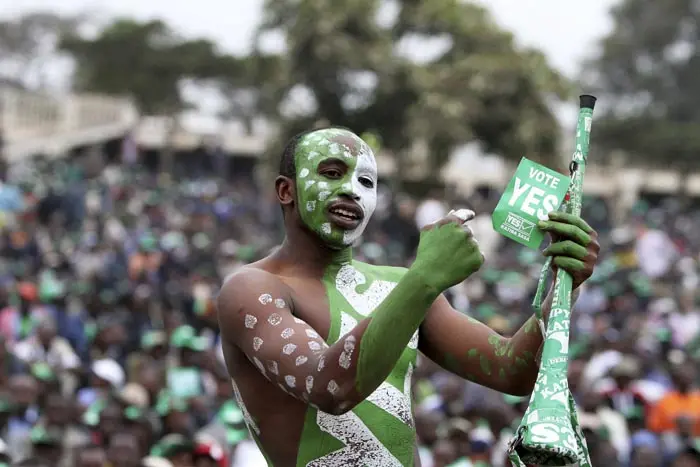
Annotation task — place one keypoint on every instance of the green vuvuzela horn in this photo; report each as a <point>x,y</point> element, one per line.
<point>549,433</point>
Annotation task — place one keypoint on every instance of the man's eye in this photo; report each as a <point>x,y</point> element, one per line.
<point>367,182</point>
<point>332,173</point>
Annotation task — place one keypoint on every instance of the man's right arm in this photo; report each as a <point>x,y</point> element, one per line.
<point>255,314</point>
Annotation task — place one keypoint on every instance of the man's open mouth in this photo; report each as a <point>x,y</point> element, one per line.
<point>346,215</point>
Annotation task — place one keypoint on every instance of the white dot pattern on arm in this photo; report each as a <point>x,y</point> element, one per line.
<point>289,353</point>
<point>274,319</point>
<point>333,387</point>
<point>301,359</point>
<point>250,321</point>
<point>265,298</point>
<point>345,359</point>
<point>315,346</point>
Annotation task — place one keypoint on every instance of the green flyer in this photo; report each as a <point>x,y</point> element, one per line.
<point>532,193</point>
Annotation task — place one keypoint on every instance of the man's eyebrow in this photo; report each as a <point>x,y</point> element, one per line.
<point>332,160</point>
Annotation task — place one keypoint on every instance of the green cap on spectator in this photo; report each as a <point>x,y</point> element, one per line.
<point>43,372</point>
<point>153,339</point>
<point>171,445</point>
<point>134,414</point>
<point>167,404</point>
<point>185,337</point>
<point>41,436</point>
<point>230,414</point>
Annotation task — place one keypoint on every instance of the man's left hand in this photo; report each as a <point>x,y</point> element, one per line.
<point>574,246</point>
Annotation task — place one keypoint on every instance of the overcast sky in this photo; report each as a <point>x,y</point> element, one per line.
<point>566,31</point>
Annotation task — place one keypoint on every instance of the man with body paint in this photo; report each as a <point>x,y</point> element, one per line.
<point>321,348</point>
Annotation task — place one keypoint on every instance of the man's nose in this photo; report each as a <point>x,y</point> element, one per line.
<point>348,192</point>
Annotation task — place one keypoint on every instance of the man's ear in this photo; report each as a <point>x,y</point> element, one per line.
<point>286,190</point>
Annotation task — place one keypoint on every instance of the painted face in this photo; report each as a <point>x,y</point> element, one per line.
<point>336,185</point>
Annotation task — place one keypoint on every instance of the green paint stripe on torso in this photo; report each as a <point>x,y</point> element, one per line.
<point>378,431</point>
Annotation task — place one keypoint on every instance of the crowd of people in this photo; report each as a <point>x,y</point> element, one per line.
<point>111,353</point>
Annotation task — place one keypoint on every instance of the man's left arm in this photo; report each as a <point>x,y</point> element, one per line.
<point>474,351</point>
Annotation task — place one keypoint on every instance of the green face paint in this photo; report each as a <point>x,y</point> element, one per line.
<point>335,204</point>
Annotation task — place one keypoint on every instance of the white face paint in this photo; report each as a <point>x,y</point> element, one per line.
<point>366,197</point>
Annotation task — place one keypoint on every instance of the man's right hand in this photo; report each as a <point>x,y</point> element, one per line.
<point>448,253</point>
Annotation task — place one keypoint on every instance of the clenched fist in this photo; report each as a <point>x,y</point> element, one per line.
<point>448,253</point>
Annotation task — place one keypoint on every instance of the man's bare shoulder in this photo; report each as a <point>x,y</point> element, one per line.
<point>245,284</point>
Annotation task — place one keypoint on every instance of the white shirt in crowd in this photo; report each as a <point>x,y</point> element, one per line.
<point>656,253</point>
<point>59,355</point>
<point>429,211</point>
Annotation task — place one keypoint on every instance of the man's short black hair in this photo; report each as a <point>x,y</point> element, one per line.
<point>287,163</point>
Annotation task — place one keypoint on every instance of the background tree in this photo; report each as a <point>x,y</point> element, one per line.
<point>649,70</point>
<point>146,61</point>
<point>355,63</point>
<point>28,46</point>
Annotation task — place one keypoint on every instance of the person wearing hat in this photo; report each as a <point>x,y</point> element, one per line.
<point>175,413</point>
<point>155,344</point>
<point>103,419</point>
<point>209,453</point>
<point>138,423</point>
<point>621,392</point>
<point>186,378</point>
<point>176,448</point>
<point>107,376</point>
